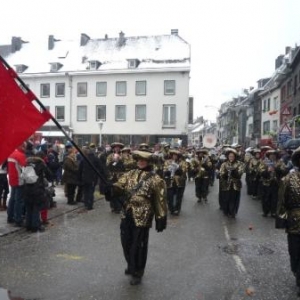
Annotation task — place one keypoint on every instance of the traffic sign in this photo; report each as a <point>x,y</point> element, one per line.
<point>285,128</point>
<point>286,112</point>
<point>284,137</point>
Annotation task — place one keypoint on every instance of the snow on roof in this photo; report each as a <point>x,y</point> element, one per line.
<point>199,128</point>
<point>156,52</point>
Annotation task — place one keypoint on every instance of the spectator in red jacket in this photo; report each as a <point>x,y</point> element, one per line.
<point>16,161</point>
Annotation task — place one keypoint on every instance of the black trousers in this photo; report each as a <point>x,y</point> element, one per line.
<point>201,187</point>
<point>135,245</point>
<point>269,199</point>
<point>294,252</point>
<point>174,198</point>
<point>231,202</point>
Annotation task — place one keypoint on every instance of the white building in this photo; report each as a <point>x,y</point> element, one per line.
<point>137,87</point>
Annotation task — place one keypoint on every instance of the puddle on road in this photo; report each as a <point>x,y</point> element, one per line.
<point>8,295</point>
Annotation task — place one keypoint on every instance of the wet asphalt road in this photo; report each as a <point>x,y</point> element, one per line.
<point>202,255</point>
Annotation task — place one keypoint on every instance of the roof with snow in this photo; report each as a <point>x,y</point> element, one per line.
<point>110,54</point>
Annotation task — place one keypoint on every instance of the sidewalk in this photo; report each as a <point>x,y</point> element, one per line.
<point>60,209</point>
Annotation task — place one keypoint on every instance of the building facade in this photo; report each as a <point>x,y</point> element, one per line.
<point>127,89</point>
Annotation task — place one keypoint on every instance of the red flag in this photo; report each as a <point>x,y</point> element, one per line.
<point>19,118</point>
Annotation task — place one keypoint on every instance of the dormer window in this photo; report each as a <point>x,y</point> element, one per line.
<point>94,64</point>
<point>20,68</point>
<point>133,63</point>
<point>55,66</point>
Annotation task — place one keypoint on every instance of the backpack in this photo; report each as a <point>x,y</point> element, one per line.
<point>29,175</point>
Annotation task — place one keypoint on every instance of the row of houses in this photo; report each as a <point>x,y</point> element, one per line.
<point>102,90</point>
<point>268,114</point>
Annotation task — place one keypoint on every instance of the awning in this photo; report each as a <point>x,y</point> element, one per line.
<point>50,133</point>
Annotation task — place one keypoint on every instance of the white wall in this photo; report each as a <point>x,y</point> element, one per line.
<point>154,101</point>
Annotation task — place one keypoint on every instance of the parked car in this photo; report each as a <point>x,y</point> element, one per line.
<point>292,144</point>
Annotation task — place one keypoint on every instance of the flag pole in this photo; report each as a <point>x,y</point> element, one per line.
<point>27,89</point>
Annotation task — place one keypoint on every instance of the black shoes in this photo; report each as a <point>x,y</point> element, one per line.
<point>135,281</point>
<point>127,272</point>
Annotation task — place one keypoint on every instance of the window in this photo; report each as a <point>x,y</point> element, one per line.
<point>60,113</point>
<point>250,129</point>
<point>82,89</point>
<point>60,89</point>
<point>169,87</point>
<point>140,88</point>
<point>101,88</point>
<point>45,90</point>
<point>169,115</point>
<point>275,102</point>
<point>47,108</point>
<point>289,88</point>
<point>283,93</point>
<point>81,113</point>
<point>265,105</point>
<point>55,66</point>
<point>275,125</point>
<point>94,64</point>
<point>268,104</point>
<point>101,112</point>
<point>20,68</point>
<point>140,112</point>
<point>133,63</point>
<point>120,113</point>
<point>266,127</point>
<point>121,88</point>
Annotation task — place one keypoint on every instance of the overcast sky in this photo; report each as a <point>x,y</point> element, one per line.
<point>234,43</point>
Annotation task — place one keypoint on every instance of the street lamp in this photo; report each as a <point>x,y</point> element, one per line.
<point>100,124</point>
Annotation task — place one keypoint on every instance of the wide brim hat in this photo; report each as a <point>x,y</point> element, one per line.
<point>175,151</point>
<point>117,144</point>
<point>254,151</point>
<point>166,146</point>
<point>231,150</point>
<point>266,148</point>
<point>137,154</point>
<point>236,145</point>
<point>225,146</point>
<point>273,151</point>
<point>202,150</point>
<point>296,157</point>
<point>143,146</point>
<point>126,149</point>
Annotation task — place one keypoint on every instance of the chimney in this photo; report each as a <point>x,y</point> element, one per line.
<point>174,31</point>
<point>287,50</point>
<point>278,61</point>
<point>106,37</point>
<point>16,44</point>
<point>51,42</point>
<point>121,40</point>
<point>84,38</point>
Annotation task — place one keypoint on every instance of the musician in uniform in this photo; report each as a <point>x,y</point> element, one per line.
<point>201,166</point>
<point>271,171</point>
<point>146,199</point>
<point>175,170</point>
<point>253,173</point>
<point>115,167</point>
<point>158,164</point>
<point>231,172</point>
<point>289,209</point>
<point>128,162</point>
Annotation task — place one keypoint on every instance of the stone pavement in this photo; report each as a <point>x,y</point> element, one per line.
<point>61,208</point>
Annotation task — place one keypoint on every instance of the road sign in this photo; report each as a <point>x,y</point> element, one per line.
<point>286,112</point>
<point>285,128</point>
<point>284,137</point>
